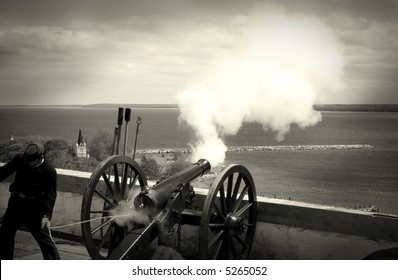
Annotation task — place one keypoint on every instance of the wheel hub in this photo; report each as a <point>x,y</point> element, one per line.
<point>234,225</point>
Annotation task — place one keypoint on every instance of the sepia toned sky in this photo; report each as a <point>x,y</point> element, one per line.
<point>60,52</point>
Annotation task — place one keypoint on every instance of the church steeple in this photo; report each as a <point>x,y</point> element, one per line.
<point>81,149</point>
<point>80,140</point>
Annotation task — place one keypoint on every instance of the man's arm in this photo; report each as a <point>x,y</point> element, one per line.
<point>50,193</point>
<point>9,168</point>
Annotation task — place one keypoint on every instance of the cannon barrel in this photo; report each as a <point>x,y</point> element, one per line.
<point>155,198</point>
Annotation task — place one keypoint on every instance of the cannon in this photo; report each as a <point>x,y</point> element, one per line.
<point>121,215</point>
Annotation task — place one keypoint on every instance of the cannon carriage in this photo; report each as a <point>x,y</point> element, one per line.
<point>122,215</point>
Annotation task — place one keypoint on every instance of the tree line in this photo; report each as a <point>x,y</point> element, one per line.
<point>62,154</point>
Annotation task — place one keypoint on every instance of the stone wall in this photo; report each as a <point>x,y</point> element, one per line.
<point>285,229</point>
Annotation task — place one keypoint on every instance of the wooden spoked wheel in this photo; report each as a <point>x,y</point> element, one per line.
<point>107,206</point>
<point>229,216</point>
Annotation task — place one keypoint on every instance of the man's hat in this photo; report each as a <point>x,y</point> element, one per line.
<point>34,151</point>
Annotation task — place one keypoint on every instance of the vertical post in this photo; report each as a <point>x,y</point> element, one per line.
<point>114,141</point>
<point>139,119</point>
<point>127,116</point>
<point>119,126</point>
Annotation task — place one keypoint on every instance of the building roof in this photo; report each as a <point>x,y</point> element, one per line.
<point>80,140</point>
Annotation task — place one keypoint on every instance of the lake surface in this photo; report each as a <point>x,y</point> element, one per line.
<point>331,177</point>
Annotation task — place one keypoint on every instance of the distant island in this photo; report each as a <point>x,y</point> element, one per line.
<point>317,107</point>
<point>101,105</point>
<point>107,105</point>
<point>357,107</point>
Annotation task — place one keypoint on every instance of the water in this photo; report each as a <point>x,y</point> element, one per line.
<point>341,178</point>
<point>158,129</point>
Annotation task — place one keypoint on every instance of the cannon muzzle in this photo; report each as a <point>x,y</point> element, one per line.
<point>155,198</point>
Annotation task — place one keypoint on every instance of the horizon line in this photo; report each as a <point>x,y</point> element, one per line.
<point>174,104</point>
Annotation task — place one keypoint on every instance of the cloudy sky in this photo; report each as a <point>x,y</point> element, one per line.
<point>100,51</point>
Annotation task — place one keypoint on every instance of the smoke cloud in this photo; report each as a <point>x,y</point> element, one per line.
<point>285,63</point>
<point>127,214</point>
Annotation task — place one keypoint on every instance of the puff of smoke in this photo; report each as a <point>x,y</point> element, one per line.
<point>125,213</point>
<point>274,78</point>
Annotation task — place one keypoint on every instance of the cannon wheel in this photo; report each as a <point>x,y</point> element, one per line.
<point>110,192</point>
<point>229,216</point>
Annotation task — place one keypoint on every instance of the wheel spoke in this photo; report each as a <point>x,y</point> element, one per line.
<point>236,190</point>
<point>104,198</point>
<point>215,226</point>
<point>131,186</point>
<point>226,249</point>
<point>229,191</point>
<point>219,212</point>
<point>103,240</point>
<point>132,183</point>
<point>239,200</point>
<point>217,251</point>
<point>117,182</point>
<point>233,250</point>
<point>102,226</point>
<point>243,209</point>
<point>116,238</point>
<point>124,180</point>
<point>215,238</point>
<point>222,201</point>
<point>243,244</point>
<point>108,185</point>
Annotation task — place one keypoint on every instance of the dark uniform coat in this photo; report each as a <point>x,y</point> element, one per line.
<point>33,195</point>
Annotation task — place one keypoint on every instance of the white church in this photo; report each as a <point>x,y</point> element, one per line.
<point>81,147</point>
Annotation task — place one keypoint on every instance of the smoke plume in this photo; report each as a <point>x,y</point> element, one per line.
<point>285,63</point>
<point>127,214</point>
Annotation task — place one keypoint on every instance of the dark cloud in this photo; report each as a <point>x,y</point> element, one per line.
<point>91,46</point>
<point>380,10</point>
<point>53,12</point>
<point>57,12</point>
<point>6,52</point>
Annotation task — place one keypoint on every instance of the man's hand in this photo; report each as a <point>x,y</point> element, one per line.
<point>45,222</point>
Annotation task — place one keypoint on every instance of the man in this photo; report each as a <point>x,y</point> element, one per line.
<point>32,200</point>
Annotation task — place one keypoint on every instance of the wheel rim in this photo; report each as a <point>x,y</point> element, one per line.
<point>229,216</point>
<point>110,192</point>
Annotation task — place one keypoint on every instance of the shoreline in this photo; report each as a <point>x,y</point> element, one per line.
<point>317,107</point>
<point>264,148</point>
